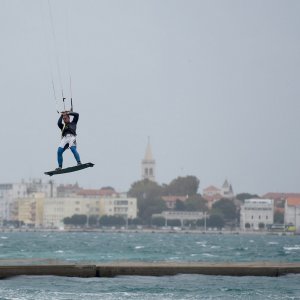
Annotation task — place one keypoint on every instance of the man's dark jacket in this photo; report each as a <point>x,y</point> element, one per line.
<point>68,128</point>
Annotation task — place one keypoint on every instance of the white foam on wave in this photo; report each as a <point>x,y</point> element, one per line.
<point>209,255</point>
<point>202,244</point>
<point>59,251</point>
<point>272,243</point>
<point>215,247</point>
<point>139,247</point>
<point>4,237</point>
<point>296,247</point>
<point>174,258</point>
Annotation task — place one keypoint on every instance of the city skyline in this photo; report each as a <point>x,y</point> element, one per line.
<point>215,86</point>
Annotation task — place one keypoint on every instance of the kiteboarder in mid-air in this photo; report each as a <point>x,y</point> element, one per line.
<point>68,119</point>
<point>68,137</point>
<point>68,140</point>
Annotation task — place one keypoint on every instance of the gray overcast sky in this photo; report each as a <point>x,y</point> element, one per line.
<point>215,84</point>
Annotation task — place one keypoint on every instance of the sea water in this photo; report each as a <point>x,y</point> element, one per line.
<point>151,247</point>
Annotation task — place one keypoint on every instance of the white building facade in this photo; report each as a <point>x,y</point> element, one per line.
<point>256,214</point>
<point>11,192</point>
<point>292,213</point>
<point>56,209</point>
<point>119,206</point>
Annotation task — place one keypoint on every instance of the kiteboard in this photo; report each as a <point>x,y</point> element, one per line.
<point>70,169</point>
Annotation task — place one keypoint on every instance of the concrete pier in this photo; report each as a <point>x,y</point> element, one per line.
<point>151,269</point>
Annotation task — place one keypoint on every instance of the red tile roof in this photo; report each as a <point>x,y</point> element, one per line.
<point>293,201</point>
<point>93,192</point>
<point>280,196</point>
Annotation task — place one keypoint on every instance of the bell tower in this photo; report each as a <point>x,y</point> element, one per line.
<point>148,164</point>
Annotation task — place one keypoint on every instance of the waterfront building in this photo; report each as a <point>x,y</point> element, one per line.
<point>292,212</point>
<point>30,210</point>
<point>96,193</point>
<point>68,190</point>
<point>212,194</point>
<point>120,205</point>
<point>11,192</point>
<point>180,215</point>
<point>56,209</point>
<point>211,191</point>
<point>256,214</point>
<point>148,164</point>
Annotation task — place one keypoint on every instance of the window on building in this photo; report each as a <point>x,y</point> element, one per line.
<point>146,171</point>
<point>151,171</point>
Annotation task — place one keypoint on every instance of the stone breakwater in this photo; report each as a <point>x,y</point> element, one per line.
<point>151,269</point>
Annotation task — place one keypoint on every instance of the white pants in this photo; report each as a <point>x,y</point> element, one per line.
<point>68,139</point>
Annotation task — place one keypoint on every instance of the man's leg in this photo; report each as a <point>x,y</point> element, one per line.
<point>60,152</point>
<point>76,154</point>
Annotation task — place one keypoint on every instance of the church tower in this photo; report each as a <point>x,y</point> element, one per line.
<point>148,164</point>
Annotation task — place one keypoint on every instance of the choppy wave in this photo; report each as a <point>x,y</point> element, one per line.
<point>139,247</point>
<point>296,247</point>
<point>102,247</point>
<point>146,288</point>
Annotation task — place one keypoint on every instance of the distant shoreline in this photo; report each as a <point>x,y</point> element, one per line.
<point>147,230</point>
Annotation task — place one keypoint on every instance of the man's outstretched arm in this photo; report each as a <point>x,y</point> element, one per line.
<point>59,122</point>
<point>75,116</point>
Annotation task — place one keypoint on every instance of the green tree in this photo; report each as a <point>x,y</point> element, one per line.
<point>145,189</point>
<point>180,205</point>
<point>196,203</point>
<point>158,221</point>
<point>135,221</point>
<point>244,196</point>
<point>226,208</point>
<point>278,217</point>
<point>182,186</point>
<point>93,220</point>
<point>78,220</point>
<point>67,221</point>
<point>174,223</point>
<point>148,194</point>
<point>112,221</point>
<point>200,222</point>
<point>148,207</point>
<point>216,220</point>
